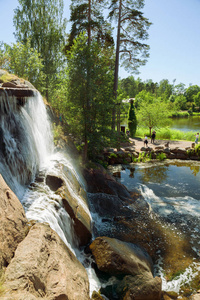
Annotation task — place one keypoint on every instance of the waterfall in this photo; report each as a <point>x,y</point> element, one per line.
<point>25,140</point>
<point>27,152</point>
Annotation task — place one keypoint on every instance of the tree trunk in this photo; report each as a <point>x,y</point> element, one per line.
<point>116,67</point>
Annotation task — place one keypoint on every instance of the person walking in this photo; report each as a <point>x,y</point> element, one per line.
<point>196,138</point>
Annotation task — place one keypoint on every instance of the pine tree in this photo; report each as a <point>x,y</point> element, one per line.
<point>132,29</point>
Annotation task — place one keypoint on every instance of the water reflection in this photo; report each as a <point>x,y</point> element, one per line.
<point>157,174</point>
<point>195,168</point>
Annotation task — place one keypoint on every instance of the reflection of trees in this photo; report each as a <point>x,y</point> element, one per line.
<point>132,170</point>
<point>117,174</point>
<point>156,174</point>
<point>195,170</point>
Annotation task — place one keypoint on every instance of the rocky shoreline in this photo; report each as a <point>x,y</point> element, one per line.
<point>133,150</point>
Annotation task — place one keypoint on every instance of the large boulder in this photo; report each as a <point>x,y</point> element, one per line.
<point>44,267</point>
<point>120,258</point>
<point>13,223</point>
<point>99,181</point>
<point>140,287</point>
<point>131,265</point>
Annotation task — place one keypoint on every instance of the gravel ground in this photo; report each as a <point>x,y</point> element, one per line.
<point>139,143</point>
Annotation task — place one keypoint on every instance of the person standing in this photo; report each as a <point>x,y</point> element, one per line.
<point>196,138</point>
<point>145,141</point>
<point>153,136</point>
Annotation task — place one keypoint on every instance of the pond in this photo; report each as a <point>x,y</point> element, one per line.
<point>186,124</point>
<point>183,124</point>
<point>172,191</point>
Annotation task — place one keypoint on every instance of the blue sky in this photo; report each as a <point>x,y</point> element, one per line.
<point>174,39</point>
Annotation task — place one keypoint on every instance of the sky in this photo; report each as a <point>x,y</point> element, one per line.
<point>174,39</point>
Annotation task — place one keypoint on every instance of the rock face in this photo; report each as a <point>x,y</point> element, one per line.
<point>75,203</point>
<point>124,259</point>
<point>43,267</point>
<point>13,223</point>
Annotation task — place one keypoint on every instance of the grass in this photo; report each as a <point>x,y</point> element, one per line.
<point>168,134</point>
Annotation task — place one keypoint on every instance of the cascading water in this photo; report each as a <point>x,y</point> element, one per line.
<point>26,150</point>
<point>26,140</point>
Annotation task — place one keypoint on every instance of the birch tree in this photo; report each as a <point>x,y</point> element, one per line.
<point>42,22</point>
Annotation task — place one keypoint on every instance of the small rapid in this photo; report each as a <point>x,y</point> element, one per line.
<point>171,190</point>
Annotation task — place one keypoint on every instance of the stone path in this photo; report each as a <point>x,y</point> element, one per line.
<point>139,143</point>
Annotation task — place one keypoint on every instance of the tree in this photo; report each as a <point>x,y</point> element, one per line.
<point>132,29</point>
<point>41,22</point>
<point>153,115</point>
<point>87,120</point>
<point>4,58</point>
<point>129,86</point>
<point>191,92</point>
<point>26,63</point>
<point>197,99</point>
<point>143,97</point>
<point>132,121</point>
<point>165,89</point>
<point>86,15</point>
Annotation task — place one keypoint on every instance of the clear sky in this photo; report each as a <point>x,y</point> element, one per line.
<point>174,39</point>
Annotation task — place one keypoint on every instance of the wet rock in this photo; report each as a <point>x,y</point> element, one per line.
<point>181,156</point>
<point>54,182</point>
<point>140,287</point>
<point>44,267</point>
<point>13,223</point>
<point>131,265</point>
<point>120,258</point>
<point>75,202</point>
<point>102,182</point>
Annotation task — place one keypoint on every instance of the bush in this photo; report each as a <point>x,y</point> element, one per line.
<point>161,156</point>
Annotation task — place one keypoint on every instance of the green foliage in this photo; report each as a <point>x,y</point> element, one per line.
<point>166,133</point>
<point>87,16</point>
<point>197,149</point>
<point>112,155</point>
<point>26,63</point>
<point>153,115</point>
<point>191,92</point>
<point>41,22</point>
<point>57,133</point>
<point>143,97</point>
<point>132,121</point>
<point>4,58</point>
<point>84,95</point>
<point>161,156</point>
<point>132,31</point>
<point>165,89</point>
<point>143,157</point>
<point>180,114</point>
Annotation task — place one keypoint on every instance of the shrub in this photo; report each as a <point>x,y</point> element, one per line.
<point>161,156</point>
